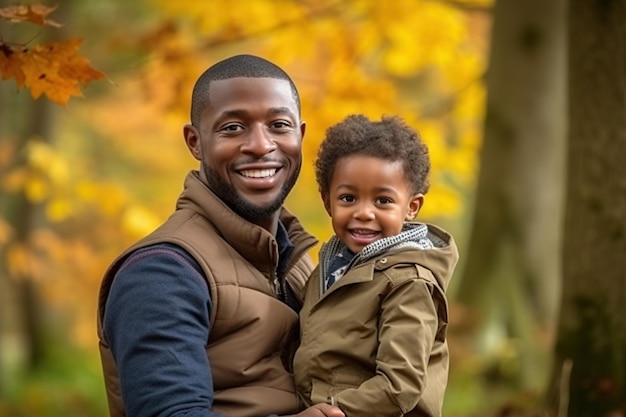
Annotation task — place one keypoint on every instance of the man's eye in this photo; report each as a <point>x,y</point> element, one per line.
<point>231,128</point>
<point>280,125</point>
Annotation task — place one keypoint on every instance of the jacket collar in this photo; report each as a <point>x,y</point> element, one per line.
<point>437,251</point>
<point>255,243</point>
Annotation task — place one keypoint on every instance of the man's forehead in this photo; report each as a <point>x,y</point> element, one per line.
<point>231,90</point>
<point>244,82</point>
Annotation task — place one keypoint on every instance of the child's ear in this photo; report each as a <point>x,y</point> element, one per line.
<point>415,204</point>
<point>326,201</point>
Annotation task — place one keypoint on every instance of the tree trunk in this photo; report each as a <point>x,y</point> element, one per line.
<point>13,210</point>
<point>22,119</point>
<point>591,348</point>
<point>22,324</point>
<point>512,274</point>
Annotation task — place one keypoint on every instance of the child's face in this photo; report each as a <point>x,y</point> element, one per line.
<point>369,198</point>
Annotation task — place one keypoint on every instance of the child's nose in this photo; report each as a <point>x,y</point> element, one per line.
<point>364,211</point>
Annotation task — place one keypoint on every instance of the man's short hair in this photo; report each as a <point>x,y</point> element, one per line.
<point>236,66</point>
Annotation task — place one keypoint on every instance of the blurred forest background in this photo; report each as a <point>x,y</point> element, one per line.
<point>522,104</point>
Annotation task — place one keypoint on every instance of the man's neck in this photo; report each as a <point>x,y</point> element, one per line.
<point>268,223</point>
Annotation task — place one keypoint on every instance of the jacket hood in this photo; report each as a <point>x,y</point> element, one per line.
<point>425,244</point>
<point>442,258</point>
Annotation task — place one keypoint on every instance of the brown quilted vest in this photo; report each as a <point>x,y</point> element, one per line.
<point>238,260</point>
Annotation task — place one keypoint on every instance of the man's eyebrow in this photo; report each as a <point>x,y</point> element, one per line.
<point>280,110</point>
<point>243,113</point>
<point>233,113</point>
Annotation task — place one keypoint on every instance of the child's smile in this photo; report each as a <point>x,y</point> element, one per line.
<point>369,198</point>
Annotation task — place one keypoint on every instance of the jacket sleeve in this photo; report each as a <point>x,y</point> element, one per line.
<point>407,329</point>
<point>157,323</point>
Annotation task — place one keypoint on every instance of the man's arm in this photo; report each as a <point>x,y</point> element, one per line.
<point>157,324</point>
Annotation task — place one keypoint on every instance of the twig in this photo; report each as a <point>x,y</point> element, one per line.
<point>566,373</point>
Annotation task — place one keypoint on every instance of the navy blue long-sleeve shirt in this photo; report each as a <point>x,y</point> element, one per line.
<point>157,323</point>
<point>156,320</point>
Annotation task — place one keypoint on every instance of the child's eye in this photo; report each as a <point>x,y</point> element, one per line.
<point>383,200</point>
<point>347,198</point>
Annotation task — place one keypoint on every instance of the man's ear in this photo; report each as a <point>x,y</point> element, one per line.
<point>192,139</point>
<point>415,204</point>
<point>326,201</point>
<point>302,129</point>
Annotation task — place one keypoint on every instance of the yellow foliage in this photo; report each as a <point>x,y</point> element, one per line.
<point>59,209</point>
<point>45,171</point>
<point>422,60</point>
<point>43,158</point>
<point>225,20</point>
<point>354,56</point>
<point>441,199</point>
<point>36,189</point>
<point>139,221</point>
<point>110,198</point>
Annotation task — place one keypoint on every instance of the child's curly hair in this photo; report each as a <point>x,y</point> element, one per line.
<point>389,139</point>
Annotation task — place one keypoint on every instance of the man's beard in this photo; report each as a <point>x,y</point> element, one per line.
<point>251,212</point>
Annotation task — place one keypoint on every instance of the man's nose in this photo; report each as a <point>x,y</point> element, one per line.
<point>259,142</point>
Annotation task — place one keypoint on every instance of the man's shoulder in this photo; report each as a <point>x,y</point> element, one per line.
<point>160,250</point>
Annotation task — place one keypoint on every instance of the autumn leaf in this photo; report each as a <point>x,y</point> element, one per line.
<point>55,69</point>
<point>34,13</point>
<point>11,64</point>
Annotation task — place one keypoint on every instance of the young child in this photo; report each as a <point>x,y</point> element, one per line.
<point>373,324</point>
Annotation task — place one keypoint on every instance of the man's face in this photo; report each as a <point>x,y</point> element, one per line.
<point>249,143</point>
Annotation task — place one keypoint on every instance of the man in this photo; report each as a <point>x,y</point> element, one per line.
<point>197,318</point>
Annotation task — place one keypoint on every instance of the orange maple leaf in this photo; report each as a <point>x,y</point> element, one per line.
<point>34,13</point>
<point>11,64</point>
<point>54,69</point>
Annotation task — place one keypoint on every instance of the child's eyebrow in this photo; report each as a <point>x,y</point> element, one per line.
<point>380,189</point>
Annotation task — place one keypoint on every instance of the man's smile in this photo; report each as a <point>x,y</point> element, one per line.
<point>258,173</point>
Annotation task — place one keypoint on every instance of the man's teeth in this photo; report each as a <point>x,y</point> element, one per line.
<point>258,173</point>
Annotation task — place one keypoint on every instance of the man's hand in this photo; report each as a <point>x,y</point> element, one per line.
<point>321,410</point>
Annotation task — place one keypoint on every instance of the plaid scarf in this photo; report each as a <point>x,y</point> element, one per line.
<point>336,259</point>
